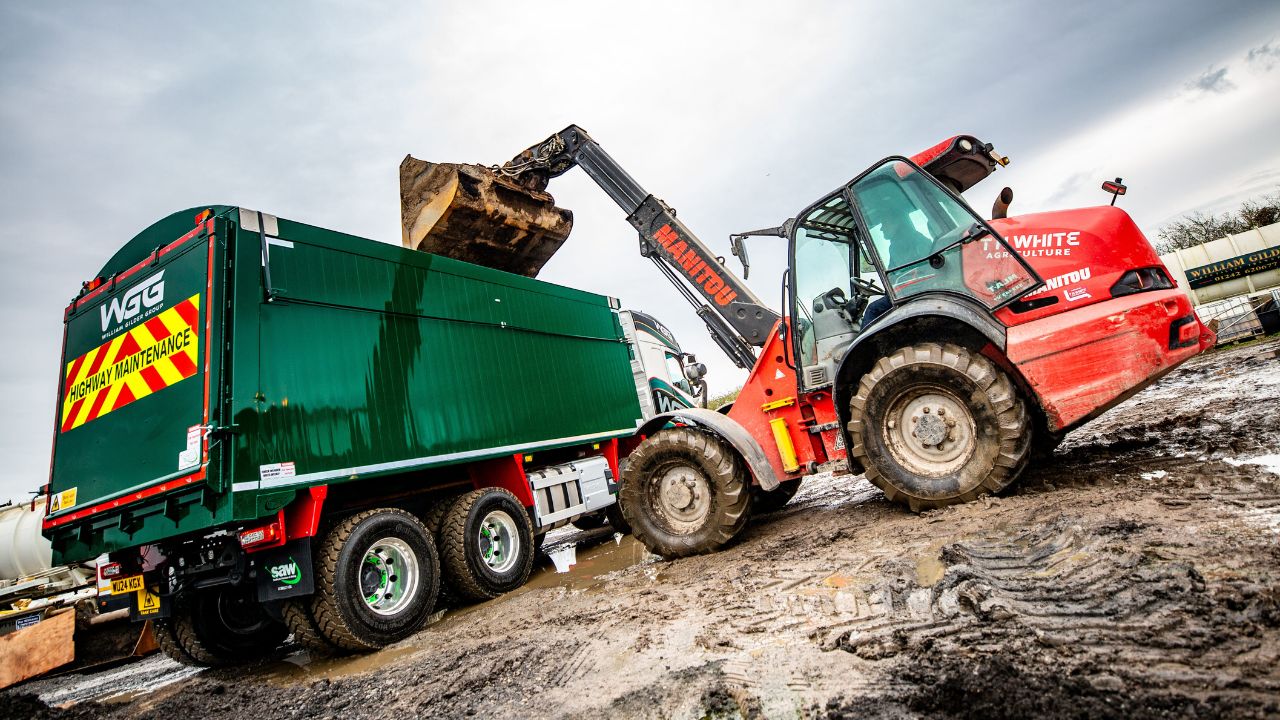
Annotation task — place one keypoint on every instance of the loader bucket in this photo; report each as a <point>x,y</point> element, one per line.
<point>471,213</point>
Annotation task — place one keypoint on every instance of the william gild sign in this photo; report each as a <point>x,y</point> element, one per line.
<point>1236,267</point>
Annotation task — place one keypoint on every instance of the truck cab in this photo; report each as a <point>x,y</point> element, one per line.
<point>667,378</point>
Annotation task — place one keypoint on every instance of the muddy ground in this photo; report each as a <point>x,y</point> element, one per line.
<point>1136,574</point>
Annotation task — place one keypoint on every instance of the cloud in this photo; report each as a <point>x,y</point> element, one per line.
<point>1212,81</point>
<point>1264,57</point>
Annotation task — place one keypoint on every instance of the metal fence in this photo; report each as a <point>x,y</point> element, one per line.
<point>1238,316</point>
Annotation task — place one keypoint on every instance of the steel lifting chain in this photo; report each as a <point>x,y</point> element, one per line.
<point>539,158</point>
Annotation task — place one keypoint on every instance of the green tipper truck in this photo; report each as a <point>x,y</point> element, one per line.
<point>274,428</point>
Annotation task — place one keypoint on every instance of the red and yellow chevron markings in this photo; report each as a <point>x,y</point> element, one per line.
<point>145,359</point>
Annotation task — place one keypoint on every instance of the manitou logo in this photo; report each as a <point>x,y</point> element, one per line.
<point>145,295</point>
<point>1071,278</point>
<point>694,266</point>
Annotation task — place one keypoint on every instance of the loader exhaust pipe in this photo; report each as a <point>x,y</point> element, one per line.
<point>1001,207</point>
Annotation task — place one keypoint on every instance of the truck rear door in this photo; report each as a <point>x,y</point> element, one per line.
<point>133,395</point>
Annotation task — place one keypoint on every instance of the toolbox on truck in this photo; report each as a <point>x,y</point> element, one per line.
<point>212,373</point>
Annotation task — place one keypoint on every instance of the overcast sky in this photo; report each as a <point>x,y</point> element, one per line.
<point>736,113</point>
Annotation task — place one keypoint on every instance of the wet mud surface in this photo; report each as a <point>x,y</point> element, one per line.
<point>1136,573</point>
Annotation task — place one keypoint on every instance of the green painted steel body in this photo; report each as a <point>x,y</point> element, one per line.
<point>361,360</point>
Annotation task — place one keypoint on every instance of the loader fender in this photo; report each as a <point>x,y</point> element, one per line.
<point>728,430</point>
<point>867,348</point>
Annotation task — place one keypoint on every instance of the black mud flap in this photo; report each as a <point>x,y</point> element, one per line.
<point>284,572</point>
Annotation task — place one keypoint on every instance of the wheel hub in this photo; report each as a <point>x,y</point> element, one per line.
<point>684,498</point>
<point>930,432</point>
<point>499,541</point>
<point>389,576</point>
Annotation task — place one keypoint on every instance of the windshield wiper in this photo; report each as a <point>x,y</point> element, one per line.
<point>976,231</point>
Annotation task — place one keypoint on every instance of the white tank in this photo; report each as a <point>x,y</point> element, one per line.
<point>23,550</point>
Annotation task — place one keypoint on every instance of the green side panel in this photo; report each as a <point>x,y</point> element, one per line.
<point>374,359</point>
<point>364,359</point>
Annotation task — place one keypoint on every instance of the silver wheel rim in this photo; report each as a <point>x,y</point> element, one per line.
<point>389,576</point>
<point>930,432</point>
<point>499,541</point>
<point>683,498</point>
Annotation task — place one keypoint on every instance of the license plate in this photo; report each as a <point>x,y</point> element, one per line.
<point>124,586</point>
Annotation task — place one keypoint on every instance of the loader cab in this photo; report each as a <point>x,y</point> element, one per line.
<point>892,235</point>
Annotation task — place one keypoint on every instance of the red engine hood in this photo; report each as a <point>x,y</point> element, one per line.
<point>1080,254</point>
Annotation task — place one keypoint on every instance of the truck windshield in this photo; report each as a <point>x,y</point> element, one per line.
<point>928,240</point>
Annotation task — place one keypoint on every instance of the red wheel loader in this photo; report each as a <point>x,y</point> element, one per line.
<point>932,349</point>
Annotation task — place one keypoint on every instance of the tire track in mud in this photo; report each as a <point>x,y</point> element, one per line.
<point>1098,609</point>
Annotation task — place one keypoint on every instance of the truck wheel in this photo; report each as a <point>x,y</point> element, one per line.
<point>767,501</point>
<point>935,425</point>
<point>617,519</point>
<point>377,576</point>
<point>594,521</point>
<point>685,492</point>
<point>486,544</point>
<point>220,627</point>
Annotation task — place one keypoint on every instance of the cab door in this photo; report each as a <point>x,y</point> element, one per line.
<point>834,286</point>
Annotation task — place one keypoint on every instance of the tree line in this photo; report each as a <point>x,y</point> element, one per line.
<point>1199,227</point>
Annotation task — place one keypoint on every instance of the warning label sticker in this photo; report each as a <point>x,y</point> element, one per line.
<point>63,500</point>
<point>276,470</point>
<point>148,602</point>
<point>191,455</point>
<point>149,357</point>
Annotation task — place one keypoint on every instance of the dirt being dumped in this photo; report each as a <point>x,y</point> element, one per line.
<point>1134,574</point>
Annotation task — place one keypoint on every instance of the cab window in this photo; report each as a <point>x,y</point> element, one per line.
<point>823,264</point>
<point>675,372</point>
<point>928,240</point>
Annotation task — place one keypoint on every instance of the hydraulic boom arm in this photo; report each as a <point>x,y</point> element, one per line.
<point>737,319</point>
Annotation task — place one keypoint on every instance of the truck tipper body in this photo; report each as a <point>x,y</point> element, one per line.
<point>233,384</point>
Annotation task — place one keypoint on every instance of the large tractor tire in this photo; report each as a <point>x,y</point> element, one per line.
<point>685,492</point>
<point>767,501</point>
<point>220,627</point>
<point>377,577</point>
<point>486,544</point>
<point>935,424</point>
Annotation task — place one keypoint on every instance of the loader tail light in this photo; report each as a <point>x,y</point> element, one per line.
<point>1141,280</point>
<point>107,571</point>
<point>269,535</point>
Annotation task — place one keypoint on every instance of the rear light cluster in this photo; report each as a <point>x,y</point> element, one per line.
<point>110,570</point>
<point>268,535</point>
<point>89,286</point>
<point>1141,280</point>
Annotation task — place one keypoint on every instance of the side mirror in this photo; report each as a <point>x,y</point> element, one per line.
<point>739,250</point>
<point>694,372</point>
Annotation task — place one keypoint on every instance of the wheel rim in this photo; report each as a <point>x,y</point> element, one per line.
<point>682,497</point>
<point>930,431</point>
<point>389,576</point>
<point>499,541</point>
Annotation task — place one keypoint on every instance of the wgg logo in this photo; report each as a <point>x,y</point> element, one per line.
<point>147,294</point>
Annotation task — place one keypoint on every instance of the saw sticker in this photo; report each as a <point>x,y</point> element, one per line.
<point>147,358</point>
